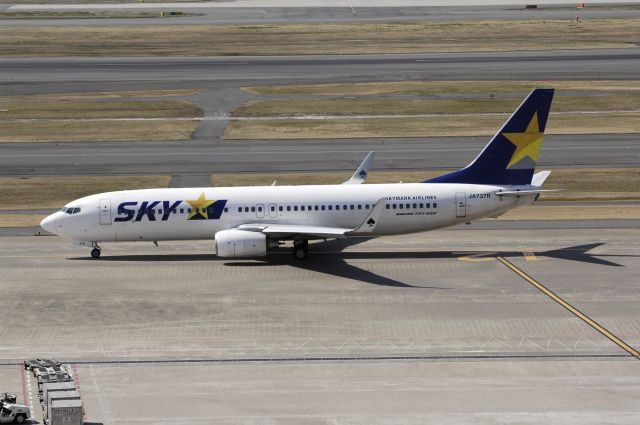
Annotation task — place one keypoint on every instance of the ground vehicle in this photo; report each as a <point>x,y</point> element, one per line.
<point>13,413</point>
<point>36,363</point>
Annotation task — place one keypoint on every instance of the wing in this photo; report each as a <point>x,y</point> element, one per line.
<point>291,231</point>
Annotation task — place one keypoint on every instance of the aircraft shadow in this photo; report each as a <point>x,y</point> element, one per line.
<point>328,258</point>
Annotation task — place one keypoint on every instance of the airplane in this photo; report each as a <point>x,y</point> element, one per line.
<point>252,221</point>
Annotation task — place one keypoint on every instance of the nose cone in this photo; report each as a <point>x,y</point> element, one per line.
<point>49,223</point>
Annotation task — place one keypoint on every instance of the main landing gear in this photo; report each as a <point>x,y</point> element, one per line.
<point>300,249</point>
<point>95,252</point>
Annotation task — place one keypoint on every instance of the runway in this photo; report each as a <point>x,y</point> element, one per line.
<point>342,14</point>
<point>214,156</point>
<point>410,328</point>
<point>245,70</point>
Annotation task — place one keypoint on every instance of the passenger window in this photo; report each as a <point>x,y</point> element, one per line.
<point>359,206</point>
<point>322,207</point>
<point>408,206</point>
<point>421,205</point>
<point>259,209</point>
<point>435,205</point>
<point>366,206</point>
<point>288,207</point>
<point>387,206</point>
<point>295,208</point>
<point>329,207</point>
<point>189,210</point>
<point>352,207</point>
<point>344,207</point>
<point>415,206</point>
<point>239,209</point>
<point>302,208</point>
<point>428,205</point>
<point>309,208</point>
<point>246,209</point>
<point>253,209</point>
<point>394,206</point>
<point>226,210</point>
<point>182,210</point>
<point>316,208</point>
<point>280,208</point>
<point>401,206</point>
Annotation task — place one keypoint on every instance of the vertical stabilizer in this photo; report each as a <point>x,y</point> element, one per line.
<point>511,155</point>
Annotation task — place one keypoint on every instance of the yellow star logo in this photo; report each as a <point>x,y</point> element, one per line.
<point>199,207</point>
<point>527,143</point>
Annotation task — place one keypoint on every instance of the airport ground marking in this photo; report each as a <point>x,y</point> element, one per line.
<point>571,308</point>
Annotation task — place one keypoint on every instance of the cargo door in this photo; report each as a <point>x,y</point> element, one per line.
<point>461,204</point>
<point>105,211</point>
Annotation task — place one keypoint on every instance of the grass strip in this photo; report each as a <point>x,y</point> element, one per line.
<point>372,106</point>
<point>100,95</point>
<point>73,109</point>
<point>324,38</point>
<point>451,125</point>
<point>440,87</point>
<point>54,192</point>
<point>21,220</point>
<point>90,131</point>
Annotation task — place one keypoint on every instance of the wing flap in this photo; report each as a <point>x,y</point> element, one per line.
<point>284,231</point>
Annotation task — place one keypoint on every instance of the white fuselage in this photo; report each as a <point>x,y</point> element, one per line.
<point>412,207</point>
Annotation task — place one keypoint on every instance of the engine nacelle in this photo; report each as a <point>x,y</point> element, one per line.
<point>240,243</point>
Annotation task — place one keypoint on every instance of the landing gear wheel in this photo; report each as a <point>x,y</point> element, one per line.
<point>300,249</point>
<point>300,253</point>
<point>95,253</point>
<point>19,419</point>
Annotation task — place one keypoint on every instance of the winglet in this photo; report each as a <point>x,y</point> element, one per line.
<point>370,222</point>
<point>363,170</point>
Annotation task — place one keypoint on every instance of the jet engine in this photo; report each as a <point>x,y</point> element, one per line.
<point>240,243</point>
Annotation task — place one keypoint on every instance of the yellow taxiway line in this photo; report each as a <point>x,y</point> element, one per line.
<point>571,308</point>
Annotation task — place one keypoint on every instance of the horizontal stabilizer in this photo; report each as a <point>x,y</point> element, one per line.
<point>512,193</point>
<point>539,178</point>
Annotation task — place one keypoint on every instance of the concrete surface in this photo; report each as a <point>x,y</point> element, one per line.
<point>488,347</point>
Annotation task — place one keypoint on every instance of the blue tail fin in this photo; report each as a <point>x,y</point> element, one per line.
<point>510,157</point>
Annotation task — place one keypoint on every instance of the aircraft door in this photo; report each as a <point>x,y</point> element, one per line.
<point>461,204</point>
<point>260,211</point>
<point>105,211</point>
<point>273,210</point>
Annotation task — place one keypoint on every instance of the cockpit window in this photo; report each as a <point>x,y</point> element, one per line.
<point>70,210</point>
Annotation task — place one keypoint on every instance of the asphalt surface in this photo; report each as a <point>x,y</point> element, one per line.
<point>409,329</point>
<point>221,78</point>
<point>296,155</point>
<point>234,71</point>
<point>343,14</point>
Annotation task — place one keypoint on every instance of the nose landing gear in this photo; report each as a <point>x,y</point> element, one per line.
<point>95,252</point>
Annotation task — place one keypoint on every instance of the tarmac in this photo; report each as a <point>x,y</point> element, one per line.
<point>425,328</point>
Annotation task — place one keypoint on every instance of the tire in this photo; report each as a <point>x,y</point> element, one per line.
<point>19,419</point>
<point>95,253</point>
<point>300,253</point>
